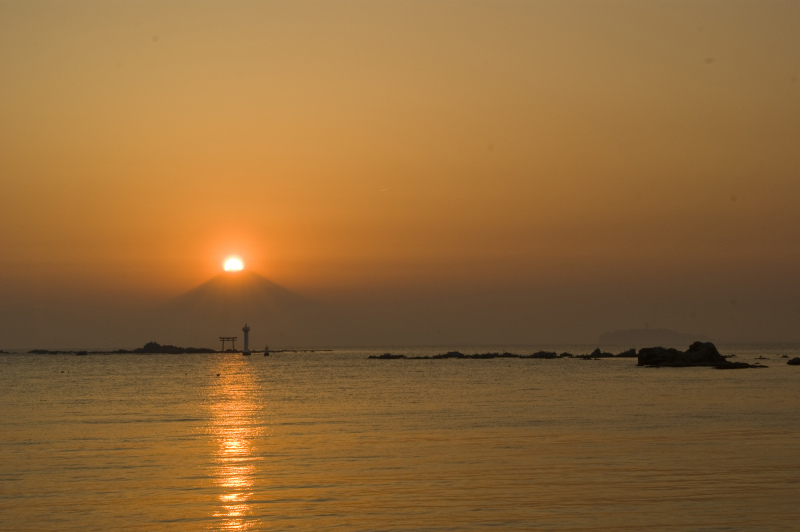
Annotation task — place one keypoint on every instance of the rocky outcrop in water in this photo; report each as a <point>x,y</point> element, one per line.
<point>387,356</point>
<point>794,362</point>
<point>155,347</point>
<point>55,352</point>
<point>547,355</point>
<point>698,354</point>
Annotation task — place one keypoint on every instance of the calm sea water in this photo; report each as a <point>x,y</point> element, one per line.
<point>319,441</point>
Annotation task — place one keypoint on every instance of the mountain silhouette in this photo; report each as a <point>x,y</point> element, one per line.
<point>242,292</point>
<point>222,305</point>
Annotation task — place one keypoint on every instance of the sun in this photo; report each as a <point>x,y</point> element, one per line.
<point>233,265</point>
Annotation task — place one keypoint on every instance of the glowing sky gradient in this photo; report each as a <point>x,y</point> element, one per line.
<point>566,167</point>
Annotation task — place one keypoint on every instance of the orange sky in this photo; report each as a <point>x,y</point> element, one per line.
<point>625,157</point>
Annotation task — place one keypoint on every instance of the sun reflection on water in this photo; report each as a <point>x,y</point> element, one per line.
<point>235,427</point>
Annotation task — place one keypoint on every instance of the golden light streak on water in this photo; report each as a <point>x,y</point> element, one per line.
<point>235,426</point>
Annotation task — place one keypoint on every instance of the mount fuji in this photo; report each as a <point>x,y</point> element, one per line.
<point>222,305</point>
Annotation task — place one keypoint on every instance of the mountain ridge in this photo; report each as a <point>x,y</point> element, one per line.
<point>224,303</point>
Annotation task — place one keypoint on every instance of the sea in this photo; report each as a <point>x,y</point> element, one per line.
<point>333,440</point>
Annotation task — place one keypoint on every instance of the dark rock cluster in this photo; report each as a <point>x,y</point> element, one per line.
<point>485,356</point>
<point>698,354</point>
<point>155,347</point>
<point>55,352</point>
<point>458,354</point>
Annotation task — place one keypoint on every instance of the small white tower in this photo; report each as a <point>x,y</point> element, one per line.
<point>246,331</point>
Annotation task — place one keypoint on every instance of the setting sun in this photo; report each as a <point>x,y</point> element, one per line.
<point>233,265</point>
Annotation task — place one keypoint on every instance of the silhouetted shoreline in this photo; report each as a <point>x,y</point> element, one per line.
<point>549,355</point>
<point>154,348</point>
<point>699,354</point>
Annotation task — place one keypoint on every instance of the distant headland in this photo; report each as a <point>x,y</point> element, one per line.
<point>649,337</point>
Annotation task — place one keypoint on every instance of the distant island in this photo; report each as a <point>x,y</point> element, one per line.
<point>649,337</point>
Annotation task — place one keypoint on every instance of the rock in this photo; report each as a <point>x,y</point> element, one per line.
<point>484,356</point>
<point>660,356</point>
<point>155,347</point>
<point>794,362</point>
<point>698,354</point>
<point>451,354</point>
<point>705,354</point>
<point>543,354</point>
<point>739,365</point>
<point>387,356</point>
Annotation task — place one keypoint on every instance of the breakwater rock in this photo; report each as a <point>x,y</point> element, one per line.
<point>480,356</point>
<point>547,355</point>
<point>794,362</point>
<point>698,354</point>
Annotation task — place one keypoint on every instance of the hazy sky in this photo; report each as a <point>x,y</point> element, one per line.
<point>566,167</point>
